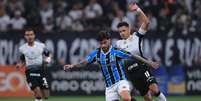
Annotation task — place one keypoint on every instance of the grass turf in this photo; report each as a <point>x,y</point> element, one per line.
<point>99,98</point>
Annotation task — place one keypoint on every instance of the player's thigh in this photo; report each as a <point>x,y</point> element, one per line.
<point>44,83</point>
<point>154,88</point>
<point>111,94</point>
<point>37,92</point>
<point>45,93</point>
<point>148,97</point>
<point>33,81</point>
<point>141,82</point>
<point>124,90</point>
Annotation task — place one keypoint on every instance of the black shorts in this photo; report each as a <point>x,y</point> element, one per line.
<point>36,78</point>
<point>141,78</point>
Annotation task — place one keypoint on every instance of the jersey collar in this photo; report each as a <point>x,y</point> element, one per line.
<point>107,51</point>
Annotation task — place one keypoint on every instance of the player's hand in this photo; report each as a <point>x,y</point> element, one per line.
<point>154,65</point>
<point>133,7</point>
<point>47,60</point>
<point>18,66</point>
<point>68,67</point>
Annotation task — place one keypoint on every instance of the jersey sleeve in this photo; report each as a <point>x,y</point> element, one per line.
<point>138,34</point>
<point>21,55</point>
<point>46,51</point>
<point>123,54</point>
<point>92,57</point>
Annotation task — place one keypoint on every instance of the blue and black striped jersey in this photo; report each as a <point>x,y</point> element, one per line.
<point>111,64</point>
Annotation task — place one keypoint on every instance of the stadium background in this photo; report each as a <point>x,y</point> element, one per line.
<point>68,28</point>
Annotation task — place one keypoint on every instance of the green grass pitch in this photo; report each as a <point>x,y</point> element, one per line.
<point>100,98</point>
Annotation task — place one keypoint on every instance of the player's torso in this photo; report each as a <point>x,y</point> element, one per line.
<point>33,54</point>
<point>131,44</point>
<point>112,67</point>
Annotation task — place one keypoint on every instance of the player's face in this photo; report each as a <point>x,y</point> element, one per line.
<point>29,36</point>
<point>124,32</point>
<point>105,44</point>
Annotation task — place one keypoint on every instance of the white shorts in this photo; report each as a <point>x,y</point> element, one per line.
<point>113,93</point>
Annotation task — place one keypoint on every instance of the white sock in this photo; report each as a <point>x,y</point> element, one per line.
<point>161,97</point>
<point>38,99</point>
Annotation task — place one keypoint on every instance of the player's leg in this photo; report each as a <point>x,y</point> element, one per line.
<point>124,90</point>
<point>139,81</point>
<point>44,87</point>
<point>131,89</point>
<point>155,90</point>
<point>148,97</point>
<point>33,82</point>
<point>37,93</point>
<point>125,95</point>
<point>111,94</point>
<point>45,93</point>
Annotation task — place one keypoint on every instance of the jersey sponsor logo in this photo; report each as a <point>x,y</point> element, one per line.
<point>35,74</point>
<point>132,66</point>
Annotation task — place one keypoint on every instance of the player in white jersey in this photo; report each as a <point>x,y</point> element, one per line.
<point>139,74</point>
<point>33,55</point>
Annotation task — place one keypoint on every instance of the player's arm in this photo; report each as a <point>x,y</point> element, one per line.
<point>126,55</point>
<point>20,61</point>
<point>145,20</point>
<point>70,66</point>
<point>90,59</point>
<point>147,62</point>
<point>48,55</point>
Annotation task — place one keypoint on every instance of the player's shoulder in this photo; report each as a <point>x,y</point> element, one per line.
<point>117,48</point>
<point>23,46</point>
<point>39,44</point>
<point>95,50</point>
<point>118,42</point>
<point>137,34</point>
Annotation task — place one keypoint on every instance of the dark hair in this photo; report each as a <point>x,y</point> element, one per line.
<point>29,29</point>
<point>103,35</point>
<point>122,24</point>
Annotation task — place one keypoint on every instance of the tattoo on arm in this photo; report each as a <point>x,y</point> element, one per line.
<point>140,59</point>
<point>81,64</point>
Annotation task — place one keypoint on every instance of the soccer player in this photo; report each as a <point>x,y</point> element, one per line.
<point>33,55</point>
<point>110,60</point>
<point>139,74</point>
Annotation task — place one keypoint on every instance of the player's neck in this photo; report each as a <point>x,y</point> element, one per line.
<point>31,43</point>
<point>106,50</point>
<point>127,37</point>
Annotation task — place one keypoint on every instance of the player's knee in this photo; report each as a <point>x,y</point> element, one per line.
<point>127,98</point>
<point>147,98</point>
<point>38,95</point>
<point>154,88</point>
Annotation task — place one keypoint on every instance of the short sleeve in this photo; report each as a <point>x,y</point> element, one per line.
<point>138,34</point>
<point>21,55</point>
<point>46,51</point>
<point>92,57</point>
<point>123,54</point>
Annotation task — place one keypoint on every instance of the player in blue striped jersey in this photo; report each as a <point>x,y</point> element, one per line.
<point>110,60</point>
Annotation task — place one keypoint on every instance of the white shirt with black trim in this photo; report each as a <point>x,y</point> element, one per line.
<point>132,44</point>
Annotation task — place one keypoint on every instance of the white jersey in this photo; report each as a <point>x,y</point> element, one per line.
<point>131,44</point>
<point>33,54</point>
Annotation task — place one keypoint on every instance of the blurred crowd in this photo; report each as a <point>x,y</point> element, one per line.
<point>166,16</point>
